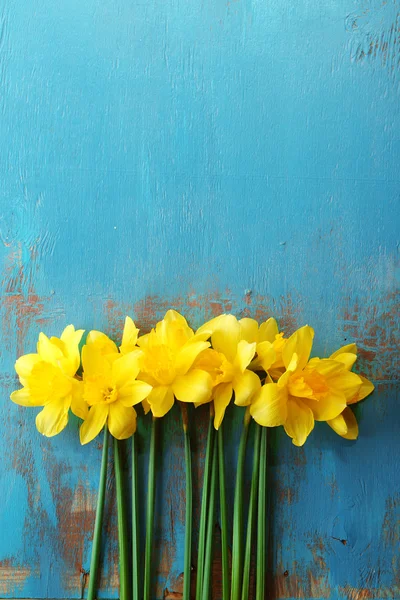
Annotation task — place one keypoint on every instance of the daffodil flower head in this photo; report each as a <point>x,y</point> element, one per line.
<point>309,390</point>
<point>48,380</point>
<point>110,384</point>
<point>228,362</point>
<point>170,350</point>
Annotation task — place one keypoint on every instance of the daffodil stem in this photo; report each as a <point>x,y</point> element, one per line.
<point>189,503</point>
<point>96,545</point>
<point>252,514</point>
<point>210,526</point>
<point>204,507</point>
<point>224,520</point>
<point>237,550</point>
<point>124,582</point>
<point>150,512</point>
<point>135,524</point>
<point>261,519</point>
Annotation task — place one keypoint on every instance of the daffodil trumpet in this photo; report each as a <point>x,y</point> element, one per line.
<point>96,544</point>
<point>237,545</point>
<point>124,581</point>
<point>210,526</point>
<point>205,506</point>
<point>189,504</point>
<point>150,511</point>
<point>251,514</point>
<point>135,523</point>
<point>224,517</point>
<point>261,519</point>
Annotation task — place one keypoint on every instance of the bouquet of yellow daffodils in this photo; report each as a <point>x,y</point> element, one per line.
<point>225,360</point>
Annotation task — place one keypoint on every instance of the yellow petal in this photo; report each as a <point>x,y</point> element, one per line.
<point>327,408</point>
<point>146,407</point>
<point>210,326</point>
<point>129,336</point>
<point>326,366</point>
<point>222,395</point>
<point>25,364</point>
<point>23,397</point>
<point>72,336</point>
<point>349,348</point>
<point>134,392</point>
<point>94,362</point>
<point>126,368</point>
<point>173,330</point>
<point>102,342</point>
<point>161,400</point>
<point>266,355</point>
<point>346,382</point>
<point>299,422</point>
<point>78,405</point>
<point>121,421</point>
<point>299,343</point>
<point>226,336</point>
<point>268,331</point>
<point>71,339</point>
<point>244,355</point>
<point>269,406</point>
<point>47,351</point>
<point>195,386</point>
<point>188,354</point>
<point>245,385</point>
<point>248,330</point>
<point>345,425</point>
<point>366,388</point>
<point>93,423</point>
<point>53,418</point>
<point>347,359</point>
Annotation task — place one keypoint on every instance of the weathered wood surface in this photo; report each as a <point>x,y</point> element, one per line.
<point>210,156</point>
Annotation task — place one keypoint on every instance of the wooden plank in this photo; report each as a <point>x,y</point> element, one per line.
<point>211,157</point>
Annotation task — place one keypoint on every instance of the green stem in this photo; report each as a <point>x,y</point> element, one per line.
<point>135,523</point>
<point>204,506</point>
<point>261,519</point>
<point>150,512</point>
<point>210,526</point>
<point>224,520</point>
<point>189,503</point>
<point>252,513</point>
<point>96,544</point>
<point>122,524</point>
<point>237,550</point>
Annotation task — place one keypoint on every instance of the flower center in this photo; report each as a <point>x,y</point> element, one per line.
<point>110,394</point>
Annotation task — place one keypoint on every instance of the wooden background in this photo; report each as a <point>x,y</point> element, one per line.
<point>208,156</point>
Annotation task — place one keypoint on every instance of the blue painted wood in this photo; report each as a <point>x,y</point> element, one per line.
<point>210,156</point>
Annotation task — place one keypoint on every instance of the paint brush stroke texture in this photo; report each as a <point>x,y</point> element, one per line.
<point>208,156</point>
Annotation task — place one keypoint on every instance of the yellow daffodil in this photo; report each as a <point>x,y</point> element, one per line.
<point>110,384</point>
<point>170,350</point>
<point>48,380</point>
<point>228,362</point>
<point>346,424</point>
<point>316,389</point>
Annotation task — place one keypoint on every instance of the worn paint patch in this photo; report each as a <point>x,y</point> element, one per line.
<point>375,35</point>
<point>13,576</point>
